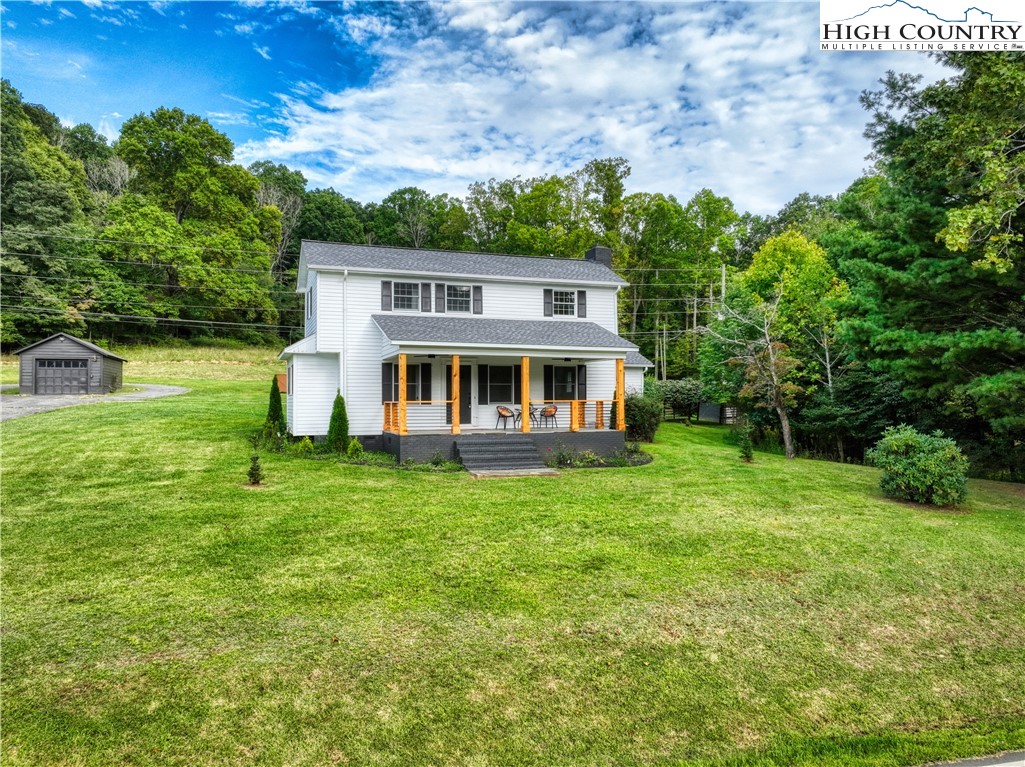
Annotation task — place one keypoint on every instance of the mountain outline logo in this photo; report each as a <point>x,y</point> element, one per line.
<point>911,7</point>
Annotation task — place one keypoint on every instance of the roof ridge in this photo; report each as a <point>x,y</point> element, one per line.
<point>457,252</point>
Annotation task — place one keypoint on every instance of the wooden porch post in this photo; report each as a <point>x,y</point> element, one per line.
<point>402,394</point>
<point>574,415</point>
<point>621,395</point>
<point>525,394</point>
<point>455,394</point>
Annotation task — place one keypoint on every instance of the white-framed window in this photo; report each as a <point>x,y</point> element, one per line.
<point>564,303</point>
<point>406,296</point>
<point>458,298</point>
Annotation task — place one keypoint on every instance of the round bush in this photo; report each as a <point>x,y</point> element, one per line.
<point>927,468</point>
<point>643,415</point>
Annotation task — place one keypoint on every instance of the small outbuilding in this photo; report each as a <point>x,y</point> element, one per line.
<point>63,364</point>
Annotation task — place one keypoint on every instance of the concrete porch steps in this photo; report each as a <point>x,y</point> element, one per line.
<point>499,452</point>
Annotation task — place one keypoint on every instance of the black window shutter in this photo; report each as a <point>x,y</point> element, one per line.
<point>425,296</point>
<point>478,300</point>
<point>581,381</point>
<point>482,385</point>
<point>548,303</point>
<point>517,383</point>
<point>581,304</point>
<point>425,380</point>
<point>549,382</point>
<point>386,388</point>
<point>385,295</point>
<point>439,298</point>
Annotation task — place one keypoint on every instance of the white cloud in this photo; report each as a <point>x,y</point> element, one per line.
<point>67,14</point>
<point>733,97</point>
<point>263,51</point>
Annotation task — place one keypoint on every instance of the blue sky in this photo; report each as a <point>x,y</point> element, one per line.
<point>370,97</point>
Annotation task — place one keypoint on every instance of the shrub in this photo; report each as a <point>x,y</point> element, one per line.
<point>745,442</point>
<point>683,395</point>
<point>643,415</point>
<point>927,468</point>
<point>561,457</point>
<point>303,447</point>
<point>268,438</point>
<point>275,415</point>
<point>338,428</point>
<point>354,452</point>
<point>256,475</point>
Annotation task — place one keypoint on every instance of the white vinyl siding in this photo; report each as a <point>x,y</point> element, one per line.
<point>314,383</point>
<point>635,380</point>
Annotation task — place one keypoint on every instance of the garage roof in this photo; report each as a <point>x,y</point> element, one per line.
<point>79,341</point>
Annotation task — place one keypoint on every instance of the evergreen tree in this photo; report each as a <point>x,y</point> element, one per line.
<point>275,414</point>
<point>935,259</point>
<point>338,428</point>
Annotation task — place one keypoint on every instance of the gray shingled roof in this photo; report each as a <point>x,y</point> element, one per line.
<point>388,259</point>
<point>559,334</point>
<point>75,339</point>
<point>637,359</point>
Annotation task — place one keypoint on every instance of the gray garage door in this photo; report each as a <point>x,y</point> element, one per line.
<point>62,376</point>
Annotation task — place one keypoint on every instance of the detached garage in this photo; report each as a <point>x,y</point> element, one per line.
<point>63,364</point>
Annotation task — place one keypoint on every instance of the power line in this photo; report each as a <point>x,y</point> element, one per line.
<point>78,238</point>
<point>173,306</point>
<point>152,320</point>
<point>151,264</point>
<point>91,281</point>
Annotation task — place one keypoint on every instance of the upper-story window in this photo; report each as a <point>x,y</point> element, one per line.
<point>457,298</point>
<point>564,303</point>
<point>422,297</point>
<point>406,295</point>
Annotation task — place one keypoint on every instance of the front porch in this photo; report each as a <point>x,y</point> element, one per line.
<point>499,396</point>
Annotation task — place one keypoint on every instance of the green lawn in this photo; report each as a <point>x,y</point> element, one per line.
<point>693,611</point>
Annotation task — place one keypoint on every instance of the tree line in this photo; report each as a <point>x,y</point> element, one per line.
<point>898,300</point>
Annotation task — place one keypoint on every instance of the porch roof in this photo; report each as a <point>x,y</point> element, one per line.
<point>554,335</point>
<point>638,360</point>
<point>306,345</point>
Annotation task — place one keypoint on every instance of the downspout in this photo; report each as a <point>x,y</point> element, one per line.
<point>343,360</point>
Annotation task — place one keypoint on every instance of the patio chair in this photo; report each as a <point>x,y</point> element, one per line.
<point>504,414</point>
<point>549,413</point>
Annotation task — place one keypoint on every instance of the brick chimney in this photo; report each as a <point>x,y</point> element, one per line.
<point>601,254</point>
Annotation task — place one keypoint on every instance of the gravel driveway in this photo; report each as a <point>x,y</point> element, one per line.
<point>15,405</point>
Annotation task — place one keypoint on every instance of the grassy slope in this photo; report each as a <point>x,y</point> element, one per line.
<point>696,610</point>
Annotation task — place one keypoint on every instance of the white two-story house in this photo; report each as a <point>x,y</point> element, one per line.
<point>428,345</point>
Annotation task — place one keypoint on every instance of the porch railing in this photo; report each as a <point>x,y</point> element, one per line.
<point>431,415</point>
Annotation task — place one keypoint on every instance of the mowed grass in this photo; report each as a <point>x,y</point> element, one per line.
<point>694,611</point>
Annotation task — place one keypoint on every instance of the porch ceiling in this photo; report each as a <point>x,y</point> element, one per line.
<point>553,337</point>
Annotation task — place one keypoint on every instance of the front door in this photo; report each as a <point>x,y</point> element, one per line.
<point>465,393</point>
